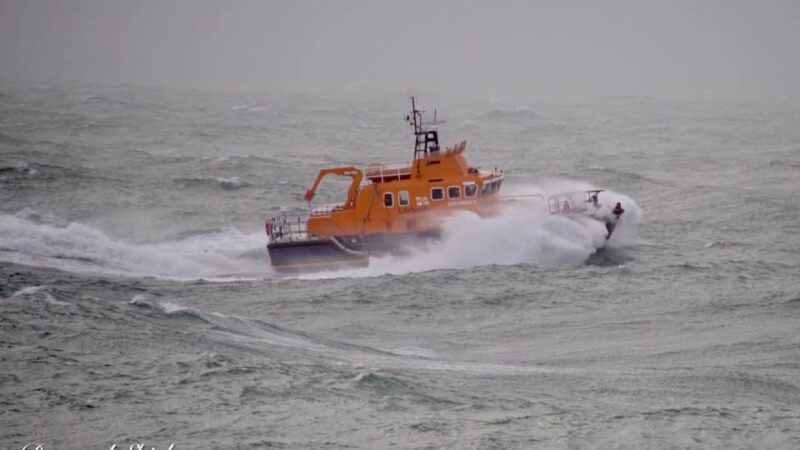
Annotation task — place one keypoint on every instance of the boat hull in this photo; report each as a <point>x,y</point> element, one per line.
<point>336,253</point>
<point>313,256</point>
<point>399,243</point>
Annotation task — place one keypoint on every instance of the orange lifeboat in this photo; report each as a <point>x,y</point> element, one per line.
<point>388,206</point>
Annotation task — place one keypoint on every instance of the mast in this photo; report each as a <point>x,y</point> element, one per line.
<point>426,141</point>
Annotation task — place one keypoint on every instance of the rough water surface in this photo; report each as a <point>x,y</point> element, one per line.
<point>137,304</point>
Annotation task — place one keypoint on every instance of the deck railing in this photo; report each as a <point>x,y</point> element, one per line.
<point>390,171</point>
<point>295,228</point>
<point>569,202</point>
<point>561,203</point>
<point>286,228</point>
<point>325,210</point>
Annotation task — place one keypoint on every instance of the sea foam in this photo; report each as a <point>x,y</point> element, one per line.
<point>79,247</point>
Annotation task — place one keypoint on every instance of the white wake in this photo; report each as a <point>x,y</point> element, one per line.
<point>77,247</point>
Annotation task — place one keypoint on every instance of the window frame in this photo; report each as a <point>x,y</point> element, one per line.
<point>453,187</point>
<point>440,189</point>
<point>391,197</point>
<point>400,199</point>
<point>470,184</point>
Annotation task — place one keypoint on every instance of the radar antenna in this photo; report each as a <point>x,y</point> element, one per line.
<point>426,140</point>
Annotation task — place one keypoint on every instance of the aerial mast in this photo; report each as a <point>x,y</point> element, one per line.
<point>426,141</point>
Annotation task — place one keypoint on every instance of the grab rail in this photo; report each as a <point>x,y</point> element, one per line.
<point>390,171</point>
<point>325,210</point>
<point>563,202</point>
<point>286,228</point>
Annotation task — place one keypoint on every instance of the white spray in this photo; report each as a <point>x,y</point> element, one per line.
<point>81,248</point>
<point>525,233</point>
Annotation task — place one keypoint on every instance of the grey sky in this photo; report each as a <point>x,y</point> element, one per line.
<point>509,48</point>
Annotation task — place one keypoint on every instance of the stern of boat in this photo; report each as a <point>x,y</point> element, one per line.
<point>292,249</point>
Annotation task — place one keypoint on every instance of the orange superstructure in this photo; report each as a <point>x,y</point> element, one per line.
<point>388,206</point>
<point>404,198</point>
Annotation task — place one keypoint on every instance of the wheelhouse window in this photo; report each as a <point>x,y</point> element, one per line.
<point>489,188</point>
<point>454,192</point>
<point>437,193</point>
<point>402,198</point>
<point>470,189</point>
<point>388,199</point>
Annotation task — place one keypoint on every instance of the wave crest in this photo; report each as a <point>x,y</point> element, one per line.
<point>78,247</point>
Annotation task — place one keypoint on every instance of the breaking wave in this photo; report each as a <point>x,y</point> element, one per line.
<point>252,108</point>
<point>517,113</point>
<point>228,184</point>
<point>226,254</point>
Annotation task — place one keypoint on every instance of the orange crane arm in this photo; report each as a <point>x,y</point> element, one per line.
<point>347,171</point>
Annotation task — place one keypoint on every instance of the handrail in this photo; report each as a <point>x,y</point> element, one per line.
<point>383,171</point>
<point>286,228</point>
<point>521,197</point>
<point>562,202</point>
<point>325,210</point>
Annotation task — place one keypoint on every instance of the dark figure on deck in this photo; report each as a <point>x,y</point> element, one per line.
<point>611,224</point>
<point>618,211</point>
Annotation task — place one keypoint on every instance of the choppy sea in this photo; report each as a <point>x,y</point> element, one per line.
<point>137,305</point>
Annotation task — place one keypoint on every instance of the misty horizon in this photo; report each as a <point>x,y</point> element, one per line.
<point>514,49</point>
